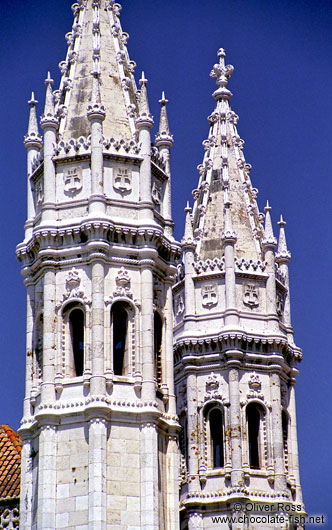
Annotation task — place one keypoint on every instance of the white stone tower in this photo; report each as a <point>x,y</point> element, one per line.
<point>235,357</point>
<point>99,428</point>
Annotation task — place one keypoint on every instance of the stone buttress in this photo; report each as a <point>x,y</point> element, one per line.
<point>99,428</point>
<point>235,357</point>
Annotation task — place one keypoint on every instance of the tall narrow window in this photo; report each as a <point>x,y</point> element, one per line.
<point>119,318</point>
<point>39,347</point>
<point>158,330</point>
<point>76,323</point>
<point>217,438</point>
<point>253,425</point>
<point>284,418</point>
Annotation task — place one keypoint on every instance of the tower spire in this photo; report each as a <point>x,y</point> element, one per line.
<point>33,135</point>
<point>49,116</point>
<point>268,240</point>
<point>283,255</point>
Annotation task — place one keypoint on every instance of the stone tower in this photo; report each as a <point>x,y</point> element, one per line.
<point>99,428</point>
<point>235,357</point>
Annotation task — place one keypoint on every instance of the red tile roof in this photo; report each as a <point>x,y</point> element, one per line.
<point>10,462</point>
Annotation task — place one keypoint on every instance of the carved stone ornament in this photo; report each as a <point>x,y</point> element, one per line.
<point>250,295</point>
<point>122,281</point>
<point>212,383</point>
<point>156,192</point>
<point>39,190</point>
<point>73,282</point>
<point>255,386</point>
<point>179,306</point>
<point>209,295</point>
<point>122,180</point>
<point>73,182</point>
<point>280,303</point>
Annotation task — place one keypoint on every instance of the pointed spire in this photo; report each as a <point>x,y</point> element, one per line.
<point>188,241</point>
<point>49,118</point>
<point>33,139</point>
<point>269,241</point>
<point>144,119</point>
<point>163,137</point>
<point>96,110</point>
<point>228,235</point>
<point>283,255</point>
<point>222,73</point>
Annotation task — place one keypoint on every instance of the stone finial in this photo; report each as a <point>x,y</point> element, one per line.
<point>228,235</point>
<point>163,137</point>
<point>49,118</point>
<point>283,255</point>
<point>144,119</point>
<point>188,240</point>
<point>33,138</point>
<point>269,241</point>
<point>96,110</point>
<point>222,73</point>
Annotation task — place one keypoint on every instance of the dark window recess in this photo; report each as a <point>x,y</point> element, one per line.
<point>285,436</point>
<point>216,174</point>
<point>76,321</point>
<point>217,438</point>
<point>158,330</point>
<point>120,329</point>
<point>253,423</point>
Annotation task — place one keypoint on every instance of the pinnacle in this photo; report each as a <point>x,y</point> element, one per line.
<point>283,255</point>
<point>269,241</point>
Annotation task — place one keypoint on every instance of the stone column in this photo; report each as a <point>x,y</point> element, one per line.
<point>294,445</point>
<point>168,312</point>
<point>29,347</point>
<point>47,478</point>
<point>229,238</point>
<point>49,357</point>
<point>97,474</point>
<point>193,441</point>
<point>172,481</point>
<point>188,247</point>
<point>277,435</point>
<point>148,387</point>
<point>98,383</point>
<point>235,427</point>
<point>26,485</point>
<point>96,116</point>
<point>149,476</point>
<point>269,246</point>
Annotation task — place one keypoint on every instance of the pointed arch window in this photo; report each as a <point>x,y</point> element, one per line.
<point>253,414</point>
<point>216,426</point>
<point>158,336</point>
<point>284,418</point>
<point>119,330</point>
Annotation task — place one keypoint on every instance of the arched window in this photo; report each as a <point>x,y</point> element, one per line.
<point>253,428</point>
<point>184,437</point>
<point>216,423</point>
<point>284,418</point>
<point>39,333</point>
<point>119,327</point>
<point>158,332</point>
<point>76,326</point>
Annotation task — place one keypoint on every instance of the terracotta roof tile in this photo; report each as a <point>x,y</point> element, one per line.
<point>10,462</point>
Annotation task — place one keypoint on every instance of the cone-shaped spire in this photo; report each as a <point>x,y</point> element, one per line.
<point>188,240</point>
<point>268,240</point>
<point>97,45</point>
<point>33,138</point>
<point>283,255</point>
<point>49,118</point>
<point>163,137</point>
<point>145,119</point>
<point>224,176</point>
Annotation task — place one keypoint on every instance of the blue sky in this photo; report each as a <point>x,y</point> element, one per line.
<point>282,88</point>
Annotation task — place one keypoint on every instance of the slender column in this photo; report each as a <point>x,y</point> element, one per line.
<point>26,485</point>
<point>97,199</point>
<point>97,474</point>
<point>283,257</point>
<point>235,426</point>
<point>168,311</point>
<point>188,246</point>
<point>47,478</point>
<point>148,387</point>
<point>48,389</point>
<point>277,435</point>
<point>193,442</point>
<point>172,470</point>
<point>29,348</point>
<point>98,384</point>
<point>294,444</point>
<point>269,246</point>
<point>149,477</point>
<point>229,238</point>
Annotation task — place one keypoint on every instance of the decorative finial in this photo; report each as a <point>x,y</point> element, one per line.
<point>269,241</point>
<point>144,119</point>
<point>283,255</point>
<point>32,102</point>
<point>49,118</point>
<point>222,73</point>
<point>188,240</point>
<point>143,81</point>
<point>33,139</point>
<point>163,137</point>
